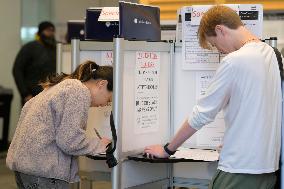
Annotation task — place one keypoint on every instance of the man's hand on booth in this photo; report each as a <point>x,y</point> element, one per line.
<point>155,151</point>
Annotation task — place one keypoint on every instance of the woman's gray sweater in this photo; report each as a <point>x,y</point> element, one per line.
<point>51,133</point>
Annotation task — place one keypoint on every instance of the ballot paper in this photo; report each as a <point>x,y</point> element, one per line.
<point>196,154</point>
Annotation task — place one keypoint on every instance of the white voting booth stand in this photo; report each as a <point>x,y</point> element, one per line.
<point>63,58</point>
<point>131,137</point>
<point>187,174</point>
<point>128,174</point>
<point>101,53</point>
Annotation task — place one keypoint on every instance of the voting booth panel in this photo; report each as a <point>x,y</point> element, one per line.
<point>142,72</point>
<point>184,99</point>
<point>98,117</point>
<point>63,58</point>
<point>145,117</point>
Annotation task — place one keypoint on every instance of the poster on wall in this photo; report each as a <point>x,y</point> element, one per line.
<point>196,58</point>
<point>193,56</point>
<point>147,92</point>
<point>210,135</point>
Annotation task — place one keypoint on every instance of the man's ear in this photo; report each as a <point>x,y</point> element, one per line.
<point>219,30</point>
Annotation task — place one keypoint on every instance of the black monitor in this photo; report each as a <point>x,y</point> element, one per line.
<point>75,29</point>
<point>98,30</point>
<point>139,22</point>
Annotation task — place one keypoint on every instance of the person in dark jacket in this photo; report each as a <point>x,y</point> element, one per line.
<point>35,62</point>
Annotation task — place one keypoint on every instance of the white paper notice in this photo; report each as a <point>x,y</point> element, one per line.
<point>203,80</point>
<point>252,17</point>
<point>147,92</point>
<point>196,154</point>
<point>109,14</point>
<point>194,57</point>
<point>107,58</point>
<point>212,134</point>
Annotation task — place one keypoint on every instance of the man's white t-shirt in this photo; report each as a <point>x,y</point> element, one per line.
<point>247,87</point>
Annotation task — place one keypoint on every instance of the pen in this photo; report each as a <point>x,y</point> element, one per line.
<point>97,133</point>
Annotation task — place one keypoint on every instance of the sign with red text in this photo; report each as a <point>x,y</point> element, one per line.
<point>199,10</point>
<point>107,58</point>
<point>109,14</point>
<point>193,56</point>
<point>196,58</point>
<point>147,92</point>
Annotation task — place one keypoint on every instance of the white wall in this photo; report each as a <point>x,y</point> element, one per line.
<point>274,28</point>
<point>10,21</point>
<point>64,10</point>
<point>35,11</point>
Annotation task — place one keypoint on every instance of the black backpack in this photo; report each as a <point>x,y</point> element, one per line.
<point>280,63</point>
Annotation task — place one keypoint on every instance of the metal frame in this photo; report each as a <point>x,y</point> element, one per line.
<point>58,58</point>
<point>60,49</point>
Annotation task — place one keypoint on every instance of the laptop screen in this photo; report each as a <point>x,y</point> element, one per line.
<point>75,30</point>
<point>96,30</point>
<point>139,22</point>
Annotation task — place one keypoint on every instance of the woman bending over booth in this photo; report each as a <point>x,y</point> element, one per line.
<point>51,130</point>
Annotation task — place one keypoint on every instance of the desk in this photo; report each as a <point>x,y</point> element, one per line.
<point>6,96</point>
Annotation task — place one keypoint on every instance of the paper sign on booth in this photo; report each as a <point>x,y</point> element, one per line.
<point>199,10</point>
<point>210,135</point>
<point>107,58</point>
<point>147,92</point>
<point>194,57</point>
<point>109,14</point>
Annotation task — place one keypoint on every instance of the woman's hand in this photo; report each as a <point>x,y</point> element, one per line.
<point>103,143</point>
<point>156,151</point>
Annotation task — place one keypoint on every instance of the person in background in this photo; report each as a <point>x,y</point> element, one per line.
<point>35,61</point>
<point>50,134</point>
<point>247,87</point>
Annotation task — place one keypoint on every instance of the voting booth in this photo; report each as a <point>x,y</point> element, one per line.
<point>156,85</point>
<point>133,57</point>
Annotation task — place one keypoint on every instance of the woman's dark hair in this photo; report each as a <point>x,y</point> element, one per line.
<point>84,72</point>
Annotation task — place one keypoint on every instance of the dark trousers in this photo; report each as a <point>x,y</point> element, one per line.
<point>224,180</point>
<point>25,181</point>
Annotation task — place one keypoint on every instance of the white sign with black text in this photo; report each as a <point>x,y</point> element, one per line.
<point>147,91</point>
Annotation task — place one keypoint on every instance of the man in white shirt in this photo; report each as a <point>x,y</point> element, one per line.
<point>247,87</point>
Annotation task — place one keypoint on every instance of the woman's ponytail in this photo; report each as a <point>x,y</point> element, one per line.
<point>84,72</point>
